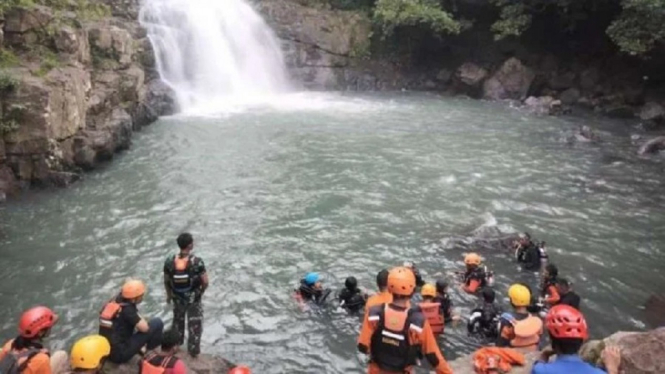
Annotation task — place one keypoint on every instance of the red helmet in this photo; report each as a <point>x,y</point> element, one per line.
<point>566,322</point>
<point>35,320</point>
<point>240,370</point>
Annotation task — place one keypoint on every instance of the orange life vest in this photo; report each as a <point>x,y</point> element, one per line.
<point>181,281</point>
<point>156,364</point>
<point>526,333</point>
<point>391,348</point>
<point>109,313</point>
<point>432,312</point>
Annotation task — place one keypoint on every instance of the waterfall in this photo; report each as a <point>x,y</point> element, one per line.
<point>212,52</point>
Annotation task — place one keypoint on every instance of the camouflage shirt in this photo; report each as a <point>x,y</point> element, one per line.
<point>196,269</point>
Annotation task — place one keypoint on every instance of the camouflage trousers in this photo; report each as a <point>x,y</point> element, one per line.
<point>193,312</point>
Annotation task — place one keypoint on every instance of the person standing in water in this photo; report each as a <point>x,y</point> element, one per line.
<point>185,281</point>
<point>392,333</point>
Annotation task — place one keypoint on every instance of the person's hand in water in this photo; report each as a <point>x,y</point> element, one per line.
<point>612,359</point>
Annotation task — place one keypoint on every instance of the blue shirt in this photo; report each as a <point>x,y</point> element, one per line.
<point>566,365</point>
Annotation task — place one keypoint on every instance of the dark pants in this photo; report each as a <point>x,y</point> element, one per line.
<point>193,312</point>
<point>151,339</point>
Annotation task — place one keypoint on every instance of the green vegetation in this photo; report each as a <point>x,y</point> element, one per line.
<point>49,62</point>
<point>635,26</point>
<point>7,83</point>
<point>428,14</point>
<point>11,114</point>
<point>7,59</point>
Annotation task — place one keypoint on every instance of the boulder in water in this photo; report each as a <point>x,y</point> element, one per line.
<point>511,81</point>
<point>655,310</point>
<point>570,96</point>
<point>654,145</point>
<point>470,74</point>
<point>543,105</point>
<point>652,111</point>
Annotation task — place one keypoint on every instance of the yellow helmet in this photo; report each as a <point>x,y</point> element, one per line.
<point>519,295</point>
<point>428,290</point>
<point>472,259</point>
<point>89,352</point>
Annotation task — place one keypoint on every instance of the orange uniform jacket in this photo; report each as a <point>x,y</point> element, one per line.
<point>378,299</point>
<point>422,337</point>
<point>472,286</point>
<point>38,364</point>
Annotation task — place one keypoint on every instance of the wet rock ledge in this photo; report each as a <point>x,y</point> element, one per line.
<point>75,83</point>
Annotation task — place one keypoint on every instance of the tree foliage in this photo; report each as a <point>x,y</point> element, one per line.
<point>640,26</point>
<point>392,14</point>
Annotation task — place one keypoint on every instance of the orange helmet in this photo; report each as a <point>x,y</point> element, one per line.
<point>401,281</point>
<point>472,259</point>
<point>35,320</point>
<point>132,289</point>
<point>240,370</point>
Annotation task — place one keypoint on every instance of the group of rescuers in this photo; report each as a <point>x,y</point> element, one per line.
<point>395,334</point>
<point>123,332</point>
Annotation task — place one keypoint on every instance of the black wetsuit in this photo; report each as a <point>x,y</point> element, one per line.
<point>354,300</point>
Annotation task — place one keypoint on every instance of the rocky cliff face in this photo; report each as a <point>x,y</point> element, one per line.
<point>329,49</point>
<point>72,91</point>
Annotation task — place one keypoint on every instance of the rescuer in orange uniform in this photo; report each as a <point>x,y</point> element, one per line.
<point>392,334</point>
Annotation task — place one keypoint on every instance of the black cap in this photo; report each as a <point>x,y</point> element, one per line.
<point>351,283</point>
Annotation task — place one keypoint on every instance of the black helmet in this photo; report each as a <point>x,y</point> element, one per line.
<point>351,283</point>
<point>441,285</point>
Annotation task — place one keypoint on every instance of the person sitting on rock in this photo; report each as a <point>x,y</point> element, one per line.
<point>351,297</point>
<point>520,329</point>
<point>568,330</point>
<point>88,354</point>
<point>120,318</point>
<point>484,319</point>
<point>26,353</point>
<point>311,289</point>
<point>164,362</point>
<point>568,296</point>
<point>476,276</point>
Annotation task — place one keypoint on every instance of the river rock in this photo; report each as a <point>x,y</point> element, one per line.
<point>203,364</point>
<point>641,353</point>
<point>470,74</point>
<point>511,81</point>
<point>562,81</point>
<point>654,309</point>
<point>589,78</point>
<point>570,96</point>
<point>444,75</point>
<point>652,111</point>
<point>73,44</point>
<point>619,111</point>
<point>543,105</point>
<point>654,145</point>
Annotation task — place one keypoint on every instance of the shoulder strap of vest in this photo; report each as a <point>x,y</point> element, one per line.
<point>28,355</point>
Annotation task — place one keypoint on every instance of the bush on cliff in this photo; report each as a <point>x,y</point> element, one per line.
<point>392,14</point>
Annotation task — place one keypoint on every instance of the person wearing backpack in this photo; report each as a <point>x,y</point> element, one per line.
<point>520,330</point>
<point>89,354</point>
<point>185,281</point>
<point>127,332</point>
<point>26,354</point>
<point>393,334</point>
<point>164,362</point>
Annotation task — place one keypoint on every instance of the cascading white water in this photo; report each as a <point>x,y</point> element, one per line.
<point>212,52</point>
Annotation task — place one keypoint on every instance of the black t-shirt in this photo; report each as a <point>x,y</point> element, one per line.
<point>572,299</point>
<point>446,306</point>
<point>125,323</point>
<point>531,259</point>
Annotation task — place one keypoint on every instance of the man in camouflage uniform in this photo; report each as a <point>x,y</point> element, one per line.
<point>185,280</point>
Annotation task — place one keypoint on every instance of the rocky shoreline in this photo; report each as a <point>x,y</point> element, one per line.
<point>641,353</point>
<point>73,89</point>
